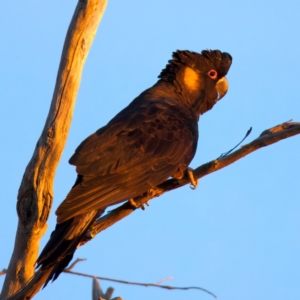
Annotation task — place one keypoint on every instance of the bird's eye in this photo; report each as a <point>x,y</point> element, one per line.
<point>213,74</point>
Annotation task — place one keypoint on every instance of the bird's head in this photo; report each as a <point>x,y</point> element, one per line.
<point>198,78</point>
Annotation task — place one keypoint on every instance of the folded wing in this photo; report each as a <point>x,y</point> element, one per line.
<point>130,155</point>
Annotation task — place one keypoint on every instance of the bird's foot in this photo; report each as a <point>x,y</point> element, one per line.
<point>135,205</point>
<point>143,205</point>
<point>180,176</point>
<point>194,182</point>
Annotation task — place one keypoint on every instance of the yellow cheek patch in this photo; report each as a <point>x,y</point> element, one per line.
<point>191,79</point>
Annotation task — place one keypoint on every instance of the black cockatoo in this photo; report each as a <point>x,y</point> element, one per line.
<point>153,138</point>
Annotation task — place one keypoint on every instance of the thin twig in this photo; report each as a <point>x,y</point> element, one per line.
<point>74,263</point>
<point>168,287</point>
<point>164,280</point>
<point>156,284</point>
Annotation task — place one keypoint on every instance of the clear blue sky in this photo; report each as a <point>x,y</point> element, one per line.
<point>238,233</point>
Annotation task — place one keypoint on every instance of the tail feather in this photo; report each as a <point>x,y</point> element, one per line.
<point>63,242</point>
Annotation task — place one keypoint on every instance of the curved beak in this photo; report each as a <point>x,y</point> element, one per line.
<point>222,87</point>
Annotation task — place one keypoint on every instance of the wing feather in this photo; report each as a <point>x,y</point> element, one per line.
<point>131,154</point>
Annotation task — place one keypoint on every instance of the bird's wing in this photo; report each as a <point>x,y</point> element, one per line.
<point>136,151</point>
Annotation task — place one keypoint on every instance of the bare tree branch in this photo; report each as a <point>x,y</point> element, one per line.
<point>268,137</point>
<point>98,293</point>
<point>168,287</point>
<point>36,190</point>
<point>74,263</point>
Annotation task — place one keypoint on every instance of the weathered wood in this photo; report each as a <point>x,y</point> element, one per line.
<point>36,190</point>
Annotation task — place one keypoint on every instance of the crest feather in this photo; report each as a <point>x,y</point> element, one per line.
<point>208,59</point>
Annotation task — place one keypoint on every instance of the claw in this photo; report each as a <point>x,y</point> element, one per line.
<point>194,182</point>
<point>143,205</point>
<point>133,203</point>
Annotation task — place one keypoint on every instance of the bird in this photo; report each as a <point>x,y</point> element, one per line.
<point>152,139</point>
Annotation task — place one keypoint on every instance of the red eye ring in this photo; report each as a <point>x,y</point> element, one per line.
<point>213,74</point>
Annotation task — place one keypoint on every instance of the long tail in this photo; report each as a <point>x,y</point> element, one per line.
<point>63,242</point>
